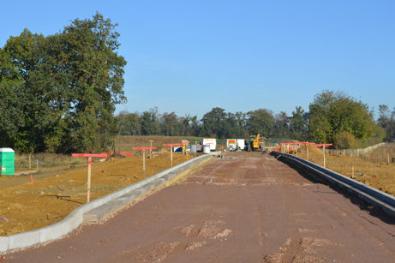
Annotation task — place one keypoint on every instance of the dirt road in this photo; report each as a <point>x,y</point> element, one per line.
<point>244,208</point>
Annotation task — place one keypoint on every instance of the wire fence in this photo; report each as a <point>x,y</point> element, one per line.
<point>355,152</point>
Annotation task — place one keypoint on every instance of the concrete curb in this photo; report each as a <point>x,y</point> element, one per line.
<point>75,219</point>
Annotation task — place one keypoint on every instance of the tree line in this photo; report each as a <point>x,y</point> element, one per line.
<point>216,123</point>
<point>59,92</point>
<point>331,118</point>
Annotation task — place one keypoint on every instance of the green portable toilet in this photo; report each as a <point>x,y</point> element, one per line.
<point>7,161</point>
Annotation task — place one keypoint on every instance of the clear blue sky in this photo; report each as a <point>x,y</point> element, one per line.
<point>189,56</point>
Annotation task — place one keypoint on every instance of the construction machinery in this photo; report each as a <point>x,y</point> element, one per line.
<point>255,143</point>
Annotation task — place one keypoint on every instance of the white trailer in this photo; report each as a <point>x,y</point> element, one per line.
<point>235,144</point>
<point>210,141</point>
<point>241,144</point>
<point>231,144</point>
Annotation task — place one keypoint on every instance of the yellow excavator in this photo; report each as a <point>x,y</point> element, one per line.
<point>255,143</point>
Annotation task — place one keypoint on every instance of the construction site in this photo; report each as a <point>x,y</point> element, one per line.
<point>197,131</point>
<point>225,206</point>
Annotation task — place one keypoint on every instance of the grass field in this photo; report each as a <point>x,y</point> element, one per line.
<point>372,169</point>
<point>60,184</point>
<point>126,143</point>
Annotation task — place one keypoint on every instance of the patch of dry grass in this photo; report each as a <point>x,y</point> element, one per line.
<point>384,154</point>
<point>372,169</point>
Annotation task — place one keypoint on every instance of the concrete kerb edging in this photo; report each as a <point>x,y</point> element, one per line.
<point>70,223</point>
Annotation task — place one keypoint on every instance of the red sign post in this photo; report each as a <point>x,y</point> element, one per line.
<point>89,156</point>
<point>143,149</point>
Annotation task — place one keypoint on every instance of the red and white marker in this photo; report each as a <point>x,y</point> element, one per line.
<point>143,149</point>
<point>89,156</point>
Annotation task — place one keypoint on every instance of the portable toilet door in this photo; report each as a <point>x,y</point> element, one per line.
<point>7,161</point>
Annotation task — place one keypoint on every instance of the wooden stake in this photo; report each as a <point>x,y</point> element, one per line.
<point>171,147</point>
<point>30,161</point>
<point>89,156</point>
<point>144,161</point>
<point>88,185</point>
<point>353,172</point>
<point>388,158</point>
<point>150,150</point>
<point>36,164</point>
<point>171,156</point>
<point>323,148</point>
<point>31,179</point>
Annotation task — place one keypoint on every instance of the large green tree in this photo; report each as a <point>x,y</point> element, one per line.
<point>11,117</point>
<point>28,56</point>
<point>66,85</point>
<point>335,115</point>
<point>95,79</point>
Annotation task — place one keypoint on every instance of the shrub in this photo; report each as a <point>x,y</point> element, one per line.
<point>345,140</point>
